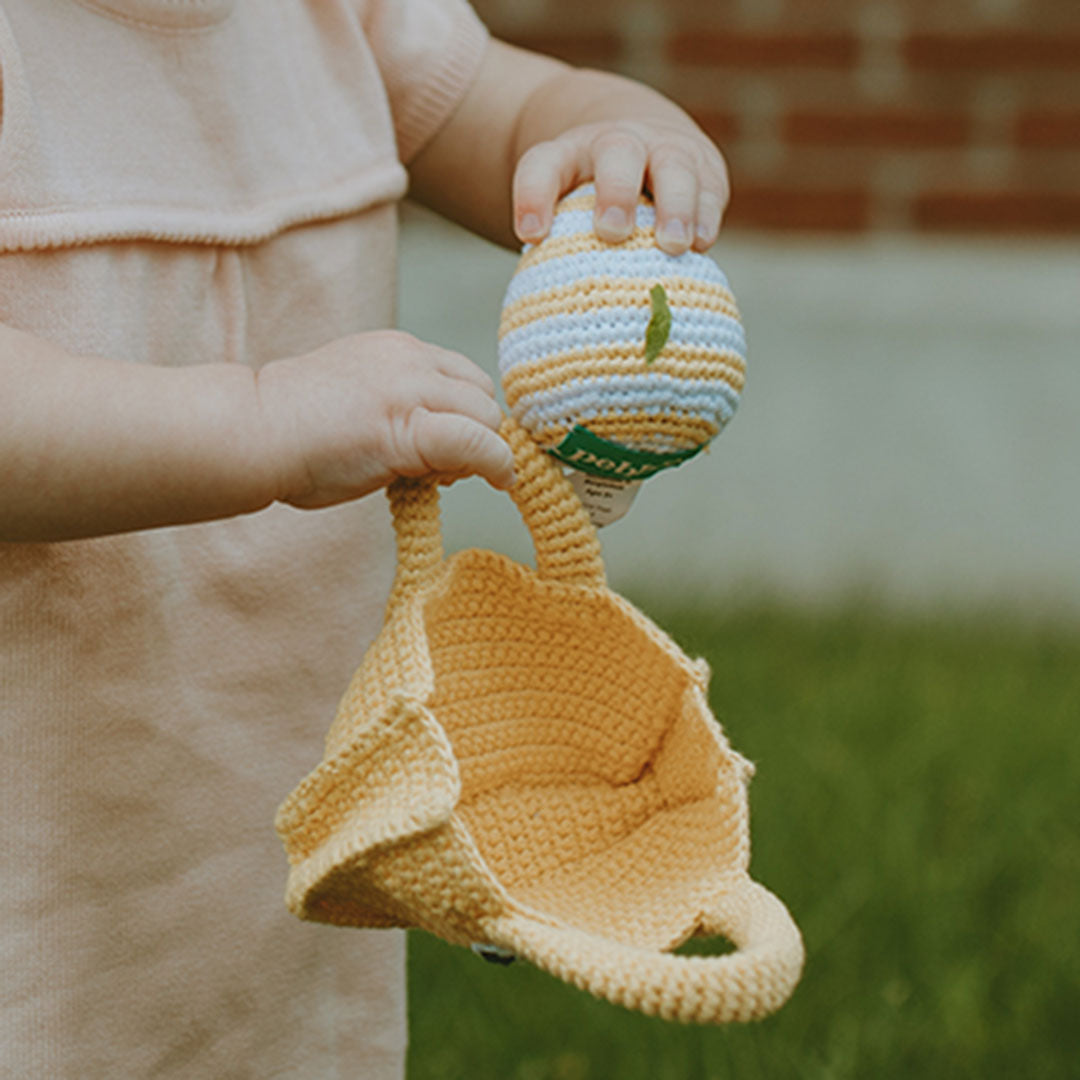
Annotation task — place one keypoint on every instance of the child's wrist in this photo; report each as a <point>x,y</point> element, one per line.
<point>286,476</point>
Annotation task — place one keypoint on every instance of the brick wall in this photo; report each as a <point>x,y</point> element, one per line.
<point>848,115</point>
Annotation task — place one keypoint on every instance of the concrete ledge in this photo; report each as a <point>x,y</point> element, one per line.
<point>910,428</point>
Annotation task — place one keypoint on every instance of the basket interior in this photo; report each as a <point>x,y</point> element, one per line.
<point>589,780</point>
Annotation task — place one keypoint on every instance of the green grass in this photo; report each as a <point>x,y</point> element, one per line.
<point>916,805</point>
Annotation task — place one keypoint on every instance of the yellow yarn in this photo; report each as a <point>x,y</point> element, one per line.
<point>606,291</point>
<point>524,760</point>
<point>573,333</point>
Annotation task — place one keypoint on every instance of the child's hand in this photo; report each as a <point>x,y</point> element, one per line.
<point>682,169</point>
<point>351,416</point>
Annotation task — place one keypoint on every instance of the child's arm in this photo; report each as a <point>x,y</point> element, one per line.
<point>90,446</point>
<point>530,128</point>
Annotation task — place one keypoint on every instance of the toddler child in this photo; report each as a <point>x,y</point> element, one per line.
<point>199,394</point>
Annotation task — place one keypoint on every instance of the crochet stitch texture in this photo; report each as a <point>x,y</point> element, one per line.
<point>573,329</point>
<point>525,761</point>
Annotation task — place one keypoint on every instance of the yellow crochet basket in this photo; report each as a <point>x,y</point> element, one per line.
<point>525,763</point>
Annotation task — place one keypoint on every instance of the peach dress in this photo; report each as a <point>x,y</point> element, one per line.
<point>184,181</point>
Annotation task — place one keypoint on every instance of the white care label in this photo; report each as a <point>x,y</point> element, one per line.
<point>605,500</point>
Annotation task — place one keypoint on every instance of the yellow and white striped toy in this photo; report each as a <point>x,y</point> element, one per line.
<point>579,360</point>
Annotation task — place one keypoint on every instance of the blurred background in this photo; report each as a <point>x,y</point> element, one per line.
<point>880,556</point>
<point>904,243</point>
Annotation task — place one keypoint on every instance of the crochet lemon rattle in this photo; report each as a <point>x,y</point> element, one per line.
<point>618,359</point>
<point>524,763</point>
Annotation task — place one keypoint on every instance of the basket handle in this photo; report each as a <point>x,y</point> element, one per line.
<point>747,984</point>
<point>565,541</point>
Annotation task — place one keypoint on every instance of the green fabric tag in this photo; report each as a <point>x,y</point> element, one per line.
<point>589,453</point>
<point>659,328</point>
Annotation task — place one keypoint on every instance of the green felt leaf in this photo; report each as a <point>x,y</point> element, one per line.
<point>656,333</point>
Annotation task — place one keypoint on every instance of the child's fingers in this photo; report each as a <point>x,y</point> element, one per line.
<point>709,213</point>
<point>455,445</point>
<point>713,195</point>
<point>456,366</point>
<point>687,178</point>
<point>673,178</point>
<point>448,395</point>
<point>619,158</point>
<point>542,174</point>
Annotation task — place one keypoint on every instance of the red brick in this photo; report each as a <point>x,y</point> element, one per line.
<point>564,17</point>
<point>992,50</point>
<point>700,12</point>
<point>813,168</point>
<point>1042,170</point>
<point>891,127</point>
<point>600,49</point>
<point>998,211</point>
<point>1045,15</point>
<point>720,125</point>
<point>947,90</point>
<point>788,15</point>
<point>795,208</point>
<point>1041,90</point>
<point>685,13</point>
<point>750,49</point>
<point>821,13</point>
<point>951,14</point>
<point>934,13</point>
<point>1048,129</point>
<point>737,89</point>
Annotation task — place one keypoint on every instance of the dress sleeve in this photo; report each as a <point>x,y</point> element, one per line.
<point>428,52</point>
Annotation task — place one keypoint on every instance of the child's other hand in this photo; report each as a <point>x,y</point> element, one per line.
<point>682,169</point>
<point>351,416</point>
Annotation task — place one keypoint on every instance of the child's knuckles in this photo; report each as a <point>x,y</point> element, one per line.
<point>619,137</point>
<point>618,185</point>
<point>710,209</point>
<point>676,164</point>
<point>491,415</point>
<point>618,169</point>
<point>535,170</point>
<point>448,442</point>
<point>716,179</point>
